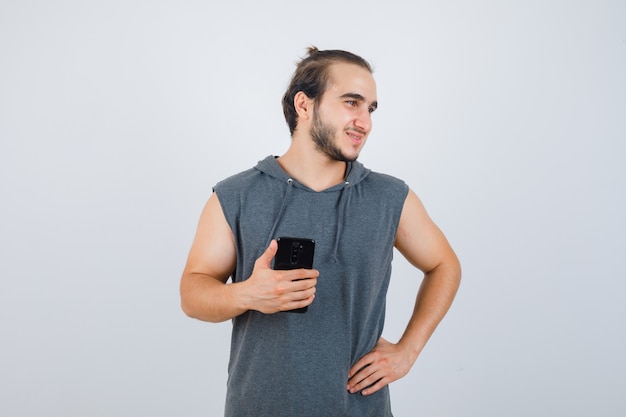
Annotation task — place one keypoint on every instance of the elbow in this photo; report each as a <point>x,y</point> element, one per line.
<point>195,311</point>
<point>201,299</point>
<point>455,274</point>
<point>455,270</point>
<point>191,311</point>
<point>184,305</point>
<point>450,270</point>
<point>187,302</point>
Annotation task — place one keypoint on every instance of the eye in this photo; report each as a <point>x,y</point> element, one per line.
<point>371,109</point>
<point>351,103</point>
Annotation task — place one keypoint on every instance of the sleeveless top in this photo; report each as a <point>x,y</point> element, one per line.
<point>296,365</point>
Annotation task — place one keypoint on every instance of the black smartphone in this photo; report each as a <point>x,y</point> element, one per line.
<point>294,253</point>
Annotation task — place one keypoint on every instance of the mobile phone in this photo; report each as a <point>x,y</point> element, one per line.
<point>294,253</point>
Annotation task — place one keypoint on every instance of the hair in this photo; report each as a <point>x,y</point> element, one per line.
<point>312,76</point>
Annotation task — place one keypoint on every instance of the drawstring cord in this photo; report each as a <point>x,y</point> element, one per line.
<point>344,201</point>
<point>280,212</point>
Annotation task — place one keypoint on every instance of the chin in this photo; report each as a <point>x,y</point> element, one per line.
<point>350,158</point>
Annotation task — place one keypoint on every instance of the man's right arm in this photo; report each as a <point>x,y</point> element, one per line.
<point>205,293</point>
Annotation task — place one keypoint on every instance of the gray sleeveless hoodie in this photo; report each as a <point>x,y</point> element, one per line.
<point>293,365</point>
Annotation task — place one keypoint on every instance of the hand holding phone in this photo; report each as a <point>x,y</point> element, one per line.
<point>294,253</point>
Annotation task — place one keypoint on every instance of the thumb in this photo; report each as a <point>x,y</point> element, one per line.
<point>266,259</point>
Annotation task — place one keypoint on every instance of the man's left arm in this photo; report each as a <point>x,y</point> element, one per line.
<point>421,242</point>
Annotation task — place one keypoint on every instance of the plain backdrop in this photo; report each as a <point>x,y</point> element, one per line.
<point>508,119</point>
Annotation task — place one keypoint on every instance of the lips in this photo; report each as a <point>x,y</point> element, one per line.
<point>355,136</point>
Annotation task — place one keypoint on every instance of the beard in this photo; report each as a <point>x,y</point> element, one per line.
<point>323,136</point>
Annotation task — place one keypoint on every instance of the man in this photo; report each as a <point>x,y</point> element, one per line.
<point>330,360</point>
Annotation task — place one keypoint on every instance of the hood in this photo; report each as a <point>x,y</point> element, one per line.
<point>355,173</point>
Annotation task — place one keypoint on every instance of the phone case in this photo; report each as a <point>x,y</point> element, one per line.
<point>294,253</point>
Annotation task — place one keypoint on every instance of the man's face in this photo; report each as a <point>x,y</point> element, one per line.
<point>342,119</point>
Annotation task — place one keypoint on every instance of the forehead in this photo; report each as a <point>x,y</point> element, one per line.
<point>351,78</point>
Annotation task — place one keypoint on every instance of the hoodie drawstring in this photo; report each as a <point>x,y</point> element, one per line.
<point>280,212</point>
<point>344,201</point>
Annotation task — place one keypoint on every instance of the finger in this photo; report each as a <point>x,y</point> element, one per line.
<point>303,278</point>
<point>302,293</point>
<point>301,302</point>
<point>266,259</point>
<point>359,373</point>
<point>363,379</point>
<point>303,273</point>
<point>305,294</point>
<point>360,365</point>
<point>310,273</point>
<point>381,383</point>
<point>295,305</point>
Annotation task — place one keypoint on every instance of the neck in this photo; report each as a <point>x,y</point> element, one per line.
<point>311,167</point>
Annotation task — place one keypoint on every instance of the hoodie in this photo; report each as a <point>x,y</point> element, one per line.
<point>289,364</point>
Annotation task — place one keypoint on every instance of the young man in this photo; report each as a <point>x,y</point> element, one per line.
<point>330,360</point>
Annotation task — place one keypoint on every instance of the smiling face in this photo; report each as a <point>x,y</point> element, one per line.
<point>342,119</point>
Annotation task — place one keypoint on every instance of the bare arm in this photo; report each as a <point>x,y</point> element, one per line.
<point>421,242</point>
<point>205,293</point>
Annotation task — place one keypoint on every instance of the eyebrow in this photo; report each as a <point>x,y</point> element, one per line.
<point>359,97</point>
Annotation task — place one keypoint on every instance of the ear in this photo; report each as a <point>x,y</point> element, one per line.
<point>303,105</point>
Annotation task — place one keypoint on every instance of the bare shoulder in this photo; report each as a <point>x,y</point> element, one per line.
<point>213,250</point>
<point>419,239</point>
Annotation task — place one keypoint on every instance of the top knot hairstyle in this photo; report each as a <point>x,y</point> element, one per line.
<point>311,77</point>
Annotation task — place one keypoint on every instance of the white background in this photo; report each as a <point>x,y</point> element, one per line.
<point>508,118</point>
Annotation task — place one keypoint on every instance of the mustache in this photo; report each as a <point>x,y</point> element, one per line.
<point>357,130</point>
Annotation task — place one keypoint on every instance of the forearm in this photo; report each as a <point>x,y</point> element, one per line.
<point>433,300</point>
<point>209,299</point>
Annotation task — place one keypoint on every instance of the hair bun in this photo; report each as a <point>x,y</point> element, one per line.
<point>312,50</point>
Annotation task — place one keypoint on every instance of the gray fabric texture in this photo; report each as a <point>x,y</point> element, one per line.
<point>290,364</point>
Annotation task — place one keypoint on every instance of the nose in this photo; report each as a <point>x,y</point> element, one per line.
<point>363,120</point>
